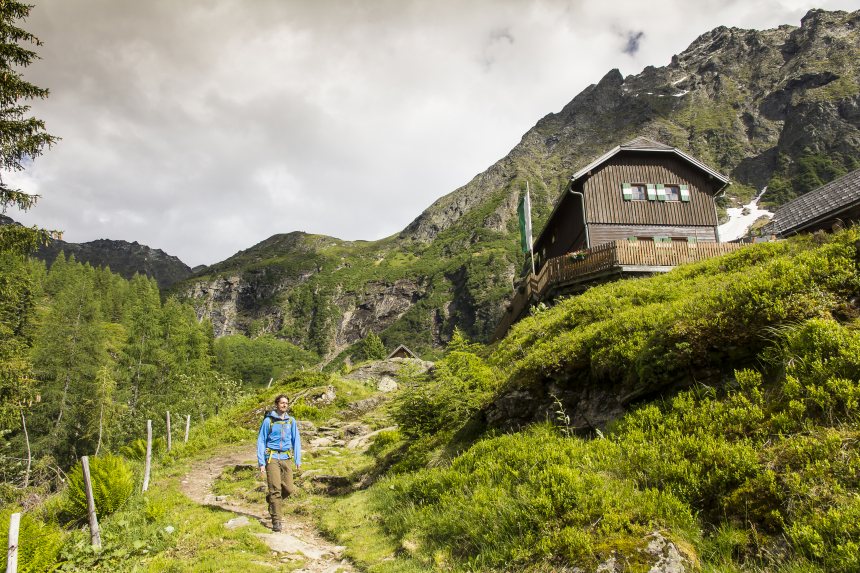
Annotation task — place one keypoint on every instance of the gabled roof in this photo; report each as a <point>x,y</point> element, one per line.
<point>398,349</point>
<point>828,200</point>
<point>645,144</point>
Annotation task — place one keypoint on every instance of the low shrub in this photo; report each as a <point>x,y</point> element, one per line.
<point>384,440</point>
<point>303,411</point>
<point>112,482</point>
<point>460,384</point>
<point>38,543</point>
<point>516,500</point>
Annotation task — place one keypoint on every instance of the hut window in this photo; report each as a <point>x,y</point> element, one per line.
<point>652,192</point>
<point>673,192</point>
<point>634,191</point>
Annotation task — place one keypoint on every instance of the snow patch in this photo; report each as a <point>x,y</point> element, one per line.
<point>676,82</point>
<point>683,93</point>
<point>742,218</point>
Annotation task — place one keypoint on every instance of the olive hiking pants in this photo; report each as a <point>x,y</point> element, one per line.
<point>279,479</point>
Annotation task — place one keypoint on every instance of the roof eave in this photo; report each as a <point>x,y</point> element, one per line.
<point>608,155</point>
<point>799,227</point>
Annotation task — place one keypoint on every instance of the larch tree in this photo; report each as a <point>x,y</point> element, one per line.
<point>22,138</point>
<point>67,355</point>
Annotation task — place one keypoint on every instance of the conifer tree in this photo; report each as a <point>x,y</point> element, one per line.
<point>143,353</point>
<point>68,353</point>
<point>22,136</point>
<point>372,347</point>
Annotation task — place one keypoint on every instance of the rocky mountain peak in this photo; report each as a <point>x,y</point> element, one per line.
<point>777,108</point>
<point>122,257</point>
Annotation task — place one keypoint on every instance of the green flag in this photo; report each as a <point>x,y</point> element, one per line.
<point>525,211</point>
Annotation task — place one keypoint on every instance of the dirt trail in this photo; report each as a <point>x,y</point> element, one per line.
<point>300,539</point>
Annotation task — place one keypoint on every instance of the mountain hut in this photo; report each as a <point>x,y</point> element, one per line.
<point>642,207</point>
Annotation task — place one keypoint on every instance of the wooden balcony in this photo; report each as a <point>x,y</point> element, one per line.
<point>577,271</point>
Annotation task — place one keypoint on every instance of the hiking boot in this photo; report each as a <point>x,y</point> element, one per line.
<point>276,525</point>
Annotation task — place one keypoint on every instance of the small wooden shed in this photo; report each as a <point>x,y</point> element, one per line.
<point>402,352</point>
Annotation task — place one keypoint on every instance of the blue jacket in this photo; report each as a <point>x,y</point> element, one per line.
<point>280,437</point>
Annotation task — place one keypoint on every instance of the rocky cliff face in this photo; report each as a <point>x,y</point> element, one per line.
<point>777,107</point>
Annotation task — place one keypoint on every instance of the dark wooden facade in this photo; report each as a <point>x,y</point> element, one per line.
<point>597,232</point>
<point>607,216</point>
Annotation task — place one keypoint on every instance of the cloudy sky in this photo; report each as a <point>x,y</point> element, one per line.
<point>202,127</point>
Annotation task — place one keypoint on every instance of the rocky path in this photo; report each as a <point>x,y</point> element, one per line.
<point>299,540</point>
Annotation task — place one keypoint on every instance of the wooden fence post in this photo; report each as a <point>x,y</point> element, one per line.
<point>187,426</point>
<point>12,554</point>
<point>95,536</point>
<point>169,436</point>
<point>147,466</point>
<point>29,454</point>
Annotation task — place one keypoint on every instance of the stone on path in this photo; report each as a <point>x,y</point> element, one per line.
<point>286,543</point>
<point>322,442</point>
<point>237,522</point>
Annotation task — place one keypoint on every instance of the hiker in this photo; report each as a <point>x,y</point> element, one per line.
<point>277,443</point>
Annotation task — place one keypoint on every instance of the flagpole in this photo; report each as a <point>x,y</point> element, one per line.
<point>529,210</point>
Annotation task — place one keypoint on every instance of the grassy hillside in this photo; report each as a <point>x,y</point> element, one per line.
<point>758,472</point>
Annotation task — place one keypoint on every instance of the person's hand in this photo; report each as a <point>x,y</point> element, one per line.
<point>263,470</point>
<point>298,468</point>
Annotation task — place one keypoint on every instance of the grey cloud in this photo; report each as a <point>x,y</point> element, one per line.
<point>632,45</point>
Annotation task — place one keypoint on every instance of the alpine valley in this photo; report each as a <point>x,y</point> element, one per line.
<point>777,108</point>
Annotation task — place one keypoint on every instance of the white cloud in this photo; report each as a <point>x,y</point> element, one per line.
<point>202,127</point>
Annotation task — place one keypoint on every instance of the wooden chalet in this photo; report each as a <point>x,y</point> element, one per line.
<point>643,207</point>
<point>831,206</point>
<point>402,352</point>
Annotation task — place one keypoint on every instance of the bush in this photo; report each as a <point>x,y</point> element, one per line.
<point>38,543</point>
<point>460,384</point>
<point>136,449</point>
<point>112,481</point>
<point>383,440</point>
<point>512,501</point>
<point>302,411</point>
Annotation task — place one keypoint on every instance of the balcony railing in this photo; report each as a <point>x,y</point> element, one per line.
<point>609,258</point>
